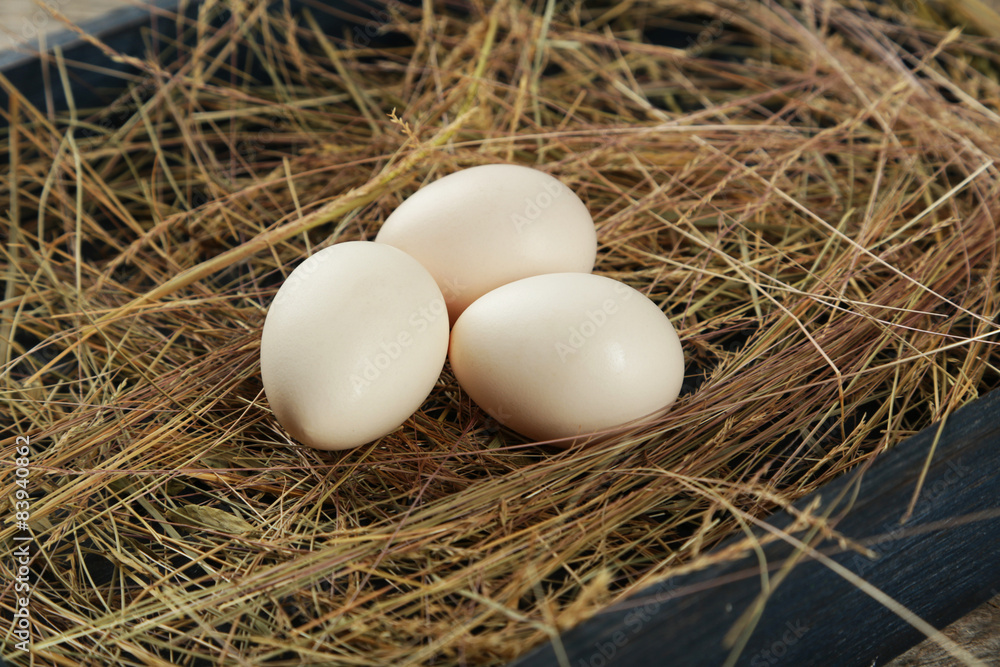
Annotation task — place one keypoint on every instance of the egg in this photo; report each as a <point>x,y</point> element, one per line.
<point>559,356</point>
<point>353,343</point>
<point>485,226</point>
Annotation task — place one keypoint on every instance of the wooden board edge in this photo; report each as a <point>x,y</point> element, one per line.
<point>940,564</point>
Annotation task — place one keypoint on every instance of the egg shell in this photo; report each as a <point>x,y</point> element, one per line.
<point>561,355</point>
<point>485,226</point>
<point>353,343</point>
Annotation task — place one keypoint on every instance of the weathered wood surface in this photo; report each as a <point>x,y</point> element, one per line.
<point>941,564</point>
<point>24,20</point>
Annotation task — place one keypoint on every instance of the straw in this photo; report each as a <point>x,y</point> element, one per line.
<point>809,192</point>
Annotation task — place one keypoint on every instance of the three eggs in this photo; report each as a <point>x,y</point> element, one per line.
<point>490,268</point>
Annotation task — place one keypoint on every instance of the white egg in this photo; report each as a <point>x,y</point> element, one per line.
<point>353,343</point>
<point>563,355</point>
<point>486,226</point>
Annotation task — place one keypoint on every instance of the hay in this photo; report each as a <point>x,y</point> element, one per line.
<point>809,192</point>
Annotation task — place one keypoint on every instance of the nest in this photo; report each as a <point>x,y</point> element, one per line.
<point>808,191</point>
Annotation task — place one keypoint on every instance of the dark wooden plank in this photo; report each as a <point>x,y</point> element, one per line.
<point>133,31</point>
<point>940,564</point>
<point>122,29</point>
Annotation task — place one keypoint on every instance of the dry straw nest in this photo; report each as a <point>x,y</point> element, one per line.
<point>809,192</point>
